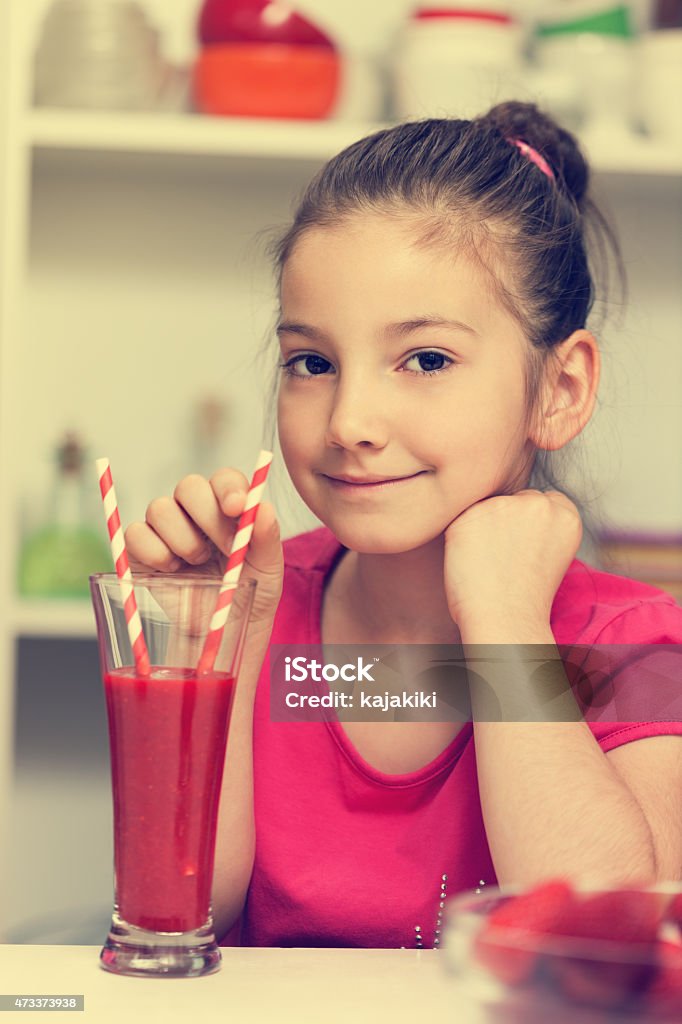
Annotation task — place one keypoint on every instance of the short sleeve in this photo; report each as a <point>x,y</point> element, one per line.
<point>630,679</point>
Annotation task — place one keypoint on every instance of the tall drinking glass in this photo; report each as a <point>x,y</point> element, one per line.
<point>167,737</point>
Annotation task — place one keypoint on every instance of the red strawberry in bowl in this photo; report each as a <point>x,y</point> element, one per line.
<point>614,982</point>
<point>608,958</point>
<point>623,915</point>
<point>614,950</point>
<point>508,941</point>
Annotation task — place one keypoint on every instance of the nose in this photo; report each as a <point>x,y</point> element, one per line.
<point>358,415</point>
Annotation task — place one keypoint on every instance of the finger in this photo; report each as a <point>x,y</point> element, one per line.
<point>146,550</point>
<point>196,496</point>
<point>230,488</point>
<point>178,531</point>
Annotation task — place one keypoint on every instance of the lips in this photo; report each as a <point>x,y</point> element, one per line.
<point>368,481</point>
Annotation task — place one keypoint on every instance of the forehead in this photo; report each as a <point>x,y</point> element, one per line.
<point>379,265</point>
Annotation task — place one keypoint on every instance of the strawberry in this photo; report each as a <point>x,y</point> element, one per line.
<point>505,943</point>
<point>665,994</point>
<point>604,984</point>
<point>620,916</point>
<point>595,974</point>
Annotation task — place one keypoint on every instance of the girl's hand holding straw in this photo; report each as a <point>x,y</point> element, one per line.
<point>194,530</point>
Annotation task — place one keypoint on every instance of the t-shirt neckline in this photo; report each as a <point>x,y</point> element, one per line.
<point>330,555</point>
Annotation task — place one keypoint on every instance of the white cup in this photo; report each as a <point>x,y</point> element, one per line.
<point>596,73</point>
<point>442,68</point>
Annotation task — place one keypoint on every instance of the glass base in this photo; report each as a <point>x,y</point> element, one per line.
<point>142,953</point>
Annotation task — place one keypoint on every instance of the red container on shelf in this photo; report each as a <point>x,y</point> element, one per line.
<point>261,59</point>
<point>256,21</point>
<point>267,80</point>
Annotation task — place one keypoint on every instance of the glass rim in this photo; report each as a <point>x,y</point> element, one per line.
<point>177,579</point>
<point>465,902</point>
<point>467,912</point>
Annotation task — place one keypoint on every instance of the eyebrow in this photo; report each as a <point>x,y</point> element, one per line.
<point>400,329</point>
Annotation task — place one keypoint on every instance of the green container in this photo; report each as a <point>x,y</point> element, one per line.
<point>612,21</point>
<point>57,560</point>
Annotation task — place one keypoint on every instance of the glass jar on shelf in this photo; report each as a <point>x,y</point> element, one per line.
<point>583,53</point>
<point>457,61</point>
<point>57,557</point>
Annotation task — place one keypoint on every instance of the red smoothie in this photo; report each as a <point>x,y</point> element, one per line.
<point>167,739</point>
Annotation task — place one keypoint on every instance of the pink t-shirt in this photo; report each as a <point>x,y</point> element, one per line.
<point>347,855</point>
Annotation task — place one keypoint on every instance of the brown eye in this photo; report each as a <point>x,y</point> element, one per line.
<point>431,363</point>
<point>314,365</point>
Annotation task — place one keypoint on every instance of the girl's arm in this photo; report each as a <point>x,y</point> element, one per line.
<point>552,803</point>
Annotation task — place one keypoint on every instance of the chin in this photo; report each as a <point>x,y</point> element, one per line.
<point>366,540</point>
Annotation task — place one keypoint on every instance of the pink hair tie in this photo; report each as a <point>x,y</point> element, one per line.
<point>533,155</point>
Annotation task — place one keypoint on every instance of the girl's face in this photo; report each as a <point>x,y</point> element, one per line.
<point>400,363</point>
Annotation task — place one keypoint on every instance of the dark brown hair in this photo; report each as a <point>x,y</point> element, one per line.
<point>542,240</point>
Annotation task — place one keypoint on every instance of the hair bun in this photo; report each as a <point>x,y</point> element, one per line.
<point>525,121</point>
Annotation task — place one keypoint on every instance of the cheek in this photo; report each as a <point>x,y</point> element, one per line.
<point>295,430</point>
<point>475,429</point>
<point>285,428</point>
<point>495,403</point>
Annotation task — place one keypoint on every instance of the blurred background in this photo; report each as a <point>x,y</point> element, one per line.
<point>148,152</point>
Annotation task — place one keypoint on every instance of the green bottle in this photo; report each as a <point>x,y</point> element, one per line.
<point>57,559</point>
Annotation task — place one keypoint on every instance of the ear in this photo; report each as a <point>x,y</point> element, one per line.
<point>569,392</point>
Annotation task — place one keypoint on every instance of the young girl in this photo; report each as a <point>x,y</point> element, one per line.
<point>434,291</point>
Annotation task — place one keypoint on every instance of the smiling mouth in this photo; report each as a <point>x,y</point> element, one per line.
<point>357,485</point>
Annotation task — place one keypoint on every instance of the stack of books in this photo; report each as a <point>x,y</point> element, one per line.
<point>653,558</point>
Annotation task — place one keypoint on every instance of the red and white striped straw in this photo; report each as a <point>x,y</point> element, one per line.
<point>235,562</point>
<point>120,556</point>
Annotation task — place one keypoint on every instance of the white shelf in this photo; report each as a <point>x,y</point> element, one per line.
<point>193,134</point>
<point>63,618</point>
<point>632,155</point>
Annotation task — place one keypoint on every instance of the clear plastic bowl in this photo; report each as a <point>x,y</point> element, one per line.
<point>525,978</point>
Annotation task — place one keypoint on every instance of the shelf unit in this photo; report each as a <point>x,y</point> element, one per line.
<point>70,137</point>
<point>129,224</point>
<point>190,134</point>
<point>198,136</point>
<point>56,617</point>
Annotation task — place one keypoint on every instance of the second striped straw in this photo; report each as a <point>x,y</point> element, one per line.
<point>235,563</point>
<point>125,578</point>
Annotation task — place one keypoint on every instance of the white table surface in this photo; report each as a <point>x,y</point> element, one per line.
<point>273,986</point>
